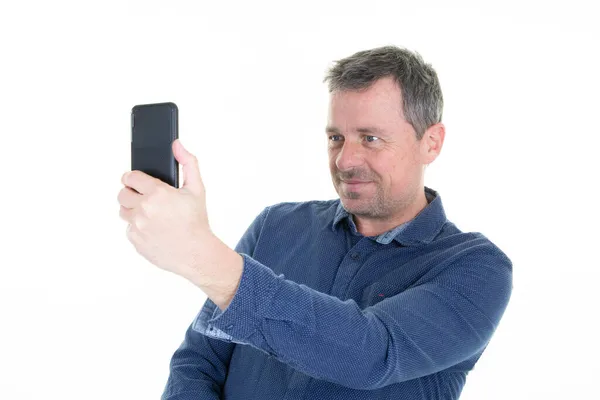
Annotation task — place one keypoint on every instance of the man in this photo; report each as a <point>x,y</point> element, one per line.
<point>375,295</point>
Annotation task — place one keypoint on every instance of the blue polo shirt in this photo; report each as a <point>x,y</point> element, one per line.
<point>323,312</point>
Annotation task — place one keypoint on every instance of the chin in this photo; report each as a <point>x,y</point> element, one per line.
<point>354,204</point>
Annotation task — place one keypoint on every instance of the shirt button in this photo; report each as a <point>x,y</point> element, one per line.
<point>355,256</point>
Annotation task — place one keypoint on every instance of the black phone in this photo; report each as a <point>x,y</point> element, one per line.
<point>154,127</point>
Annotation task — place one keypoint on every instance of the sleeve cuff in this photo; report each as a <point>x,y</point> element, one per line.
<point>238,322</point>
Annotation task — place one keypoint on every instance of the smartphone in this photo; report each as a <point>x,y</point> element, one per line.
<point>154,127</point>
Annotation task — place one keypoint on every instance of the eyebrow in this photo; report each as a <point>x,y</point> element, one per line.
<point>367,129</point>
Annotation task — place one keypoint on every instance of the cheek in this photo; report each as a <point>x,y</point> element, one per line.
<point>394,176</point>
<point>332,165</point>
<point>406,175</point>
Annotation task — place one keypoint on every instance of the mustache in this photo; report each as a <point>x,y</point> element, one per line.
<point>346,176</point>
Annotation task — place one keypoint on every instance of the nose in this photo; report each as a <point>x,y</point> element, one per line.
<point>350,156</point>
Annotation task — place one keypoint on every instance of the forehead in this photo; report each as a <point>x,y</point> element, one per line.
<point>377,107</point>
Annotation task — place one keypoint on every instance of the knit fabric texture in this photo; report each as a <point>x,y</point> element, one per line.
<point>323,312</point>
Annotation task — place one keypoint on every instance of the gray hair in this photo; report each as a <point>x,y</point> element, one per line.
<point>418,81</point>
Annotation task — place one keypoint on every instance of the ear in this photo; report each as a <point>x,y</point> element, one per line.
<point>432,142</point>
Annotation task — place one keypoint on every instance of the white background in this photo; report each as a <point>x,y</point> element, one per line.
<point>83,316</point>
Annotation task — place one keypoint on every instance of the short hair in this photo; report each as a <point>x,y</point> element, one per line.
<point>417,80</point>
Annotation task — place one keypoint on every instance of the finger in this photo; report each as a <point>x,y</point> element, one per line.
<point>191,169</point>
<point>133,234</point>
<point>140,181</point>
<point>129,198</point>
<point>126,214</point>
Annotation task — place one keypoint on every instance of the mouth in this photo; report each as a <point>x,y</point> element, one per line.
<point>354,184</point>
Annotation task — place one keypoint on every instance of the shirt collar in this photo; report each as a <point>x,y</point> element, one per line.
<point>422,229</point>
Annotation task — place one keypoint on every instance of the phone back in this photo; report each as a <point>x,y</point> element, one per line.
<point>154,127</point>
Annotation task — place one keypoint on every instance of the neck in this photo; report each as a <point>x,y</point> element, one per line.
<point>374,227</point>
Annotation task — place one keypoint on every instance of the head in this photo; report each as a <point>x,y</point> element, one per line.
<point>384,127</point>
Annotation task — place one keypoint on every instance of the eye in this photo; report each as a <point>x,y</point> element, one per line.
<point>370,138</point>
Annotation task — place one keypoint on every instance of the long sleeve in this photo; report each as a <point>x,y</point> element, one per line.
<point>199,366</point>
<point>417,332</point>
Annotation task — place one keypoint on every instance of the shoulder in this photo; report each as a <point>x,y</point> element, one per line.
<point>307,209</point>
<point>470,244</point>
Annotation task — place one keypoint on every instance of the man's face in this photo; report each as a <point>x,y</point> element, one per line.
<point>387,157</point>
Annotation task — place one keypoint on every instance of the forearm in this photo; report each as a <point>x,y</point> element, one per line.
<point>198,366</point>
<point>217,272</point>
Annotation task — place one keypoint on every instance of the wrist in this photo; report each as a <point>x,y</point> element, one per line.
<point>217,271</point>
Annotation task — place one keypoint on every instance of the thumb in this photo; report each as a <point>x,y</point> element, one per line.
<point>191,171</point>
